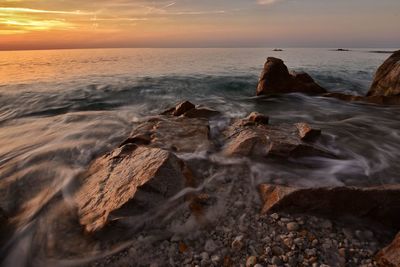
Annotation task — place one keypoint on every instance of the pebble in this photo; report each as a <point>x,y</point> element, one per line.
<point>276,260</point>
<point>251,261</point>
<point>237,243</point>
<point>215,259</point>
<point>292,226</point>
<point>210,246</point>
<point>277,251</point>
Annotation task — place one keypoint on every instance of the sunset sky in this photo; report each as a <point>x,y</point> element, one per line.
<point>41,24</point>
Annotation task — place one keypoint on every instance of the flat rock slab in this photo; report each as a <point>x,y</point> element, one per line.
<point>380,204</point>
<point>118,177</point>
<point>250,139</point>
<point>178,134</point>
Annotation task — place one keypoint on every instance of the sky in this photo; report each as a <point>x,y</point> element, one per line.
<point>50,24</point>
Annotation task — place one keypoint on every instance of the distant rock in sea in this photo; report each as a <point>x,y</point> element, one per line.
<point>276,79</point>
<point>277,50</point>
<point>342,50</point>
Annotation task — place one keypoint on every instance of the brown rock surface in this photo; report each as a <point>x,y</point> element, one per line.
<point>246,138</point>
<point>381,204</point>
<point>306,132</point>
<point>390,255</point>
<point>387,78</point>
<point>150,175</point>
<point>179,134</point>
<point>258,118</point>
<point>276,79</point>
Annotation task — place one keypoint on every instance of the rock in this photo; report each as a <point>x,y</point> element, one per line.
<point>277,251</point>
<point>390,255</point>
<point>276,79</point>
<point>260,140</point>
<point>237,243</point>
<point>381,204</point>
<point>179,134</point>
<point>189,110</point>
<point>306,132</point>
<point>3,224</point>
<point>149,176</point>
<point>210,246</point>
<point>215,259</point>
<point>251,261</point>
<point>276,260</point>
<point>258,118</point>
<point>201,112</point>
<point>292,226</point>
<point>387,78</point>
<point>379,100</point>
<point>204,256</point>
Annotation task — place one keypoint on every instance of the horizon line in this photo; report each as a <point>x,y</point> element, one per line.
<point>193,47</point>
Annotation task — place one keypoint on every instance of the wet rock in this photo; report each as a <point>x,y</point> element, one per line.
<point>189,110</point>
<point>387,78</point>
<point>147,175</point>
<point>381,204</point>
<point>390,255</point>
<point>258,118</point>
<point>379,100</point>
<point>177,134</point>
<point>306,132</point>
<point>260,140</point>
<point>276,79</point>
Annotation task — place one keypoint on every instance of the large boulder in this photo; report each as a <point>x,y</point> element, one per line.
<point>390,255</point>
<point>387,78</point>
<point>276,79</point>
<point>253,137</point>
<point>380,204</point>
<point>146,175</point>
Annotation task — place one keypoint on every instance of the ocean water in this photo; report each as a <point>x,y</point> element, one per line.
<point>60,109</point>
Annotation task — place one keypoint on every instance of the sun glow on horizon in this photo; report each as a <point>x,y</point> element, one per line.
<point>26,24</point>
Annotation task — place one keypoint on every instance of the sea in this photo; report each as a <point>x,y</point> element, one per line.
<point>60,109</point>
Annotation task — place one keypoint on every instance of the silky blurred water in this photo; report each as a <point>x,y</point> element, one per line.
<point>60,109</point>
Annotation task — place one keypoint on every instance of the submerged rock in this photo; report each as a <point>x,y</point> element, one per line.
<point>144,174</point>
<point>276,79</point>
<point>380,204</point>
<point>246,138</point>
<point>390,255</point>
<point>387,78</point>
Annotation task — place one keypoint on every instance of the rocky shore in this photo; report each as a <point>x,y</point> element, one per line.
<point>182,190</point>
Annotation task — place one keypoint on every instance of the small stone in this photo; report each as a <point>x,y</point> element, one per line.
<point>258,265</point>
<point>275,216</point>
<point>276,260</point>
<point>215,259</point>
<point>311,252</point>
<point>210,246</point>
<point>204,256</point>
<point>251,261</point>
<point>237,243</point>
<point>288,242</point>
<point>277,251</point>
<point>292,226</point>
<point>342,252</point>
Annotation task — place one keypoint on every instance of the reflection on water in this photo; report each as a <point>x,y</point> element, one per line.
<point>61,109</point>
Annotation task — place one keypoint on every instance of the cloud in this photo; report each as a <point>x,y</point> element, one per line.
<point>40,11</point>
<point>267,2</point>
